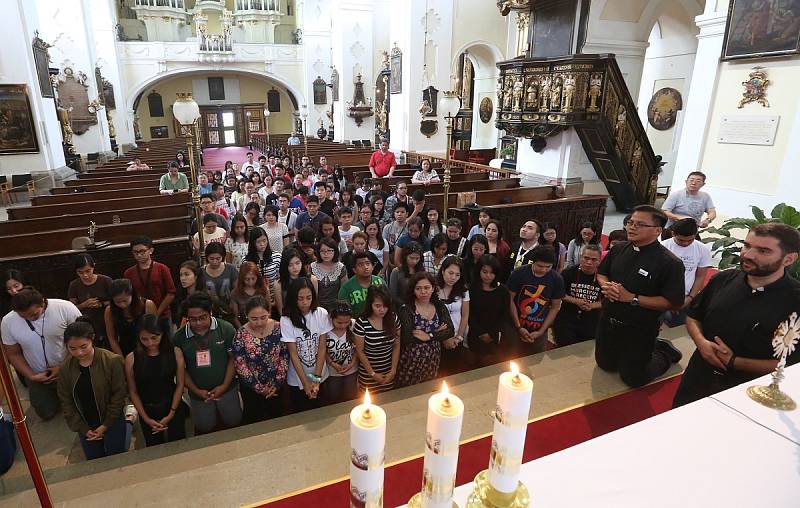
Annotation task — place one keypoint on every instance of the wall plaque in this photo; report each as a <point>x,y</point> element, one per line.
<point>748,130</point>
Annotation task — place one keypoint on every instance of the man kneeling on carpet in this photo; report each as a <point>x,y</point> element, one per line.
<point>640,279</point>
<point>734,318</point>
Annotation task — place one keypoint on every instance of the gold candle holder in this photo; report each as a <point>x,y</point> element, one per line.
<point>486,496</point>
<point>784,342</point>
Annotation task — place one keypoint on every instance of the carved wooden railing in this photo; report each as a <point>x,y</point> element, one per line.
<point>468,167</point>
<point>540,97</point>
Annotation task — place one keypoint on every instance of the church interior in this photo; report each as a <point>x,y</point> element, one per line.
<point>180,178</point>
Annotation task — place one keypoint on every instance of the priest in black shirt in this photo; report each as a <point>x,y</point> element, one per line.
<point>734,318</point>
<point>640,280</point>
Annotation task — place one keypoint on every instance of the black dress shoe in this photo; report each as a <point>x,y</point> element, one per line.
<point>668,349</point>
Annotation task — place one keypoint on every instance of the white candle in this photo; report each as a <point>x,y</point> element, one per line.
<point>367,444</point>
<point>445,415</point>
<point>510,425</point>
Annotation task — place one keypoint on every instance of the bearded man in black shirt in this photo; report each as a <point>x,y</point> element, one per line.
<point>640,280</point>
<point>734,318</point>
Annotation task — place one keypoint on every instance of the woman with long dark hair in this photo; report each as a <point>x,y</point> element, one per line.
<point>237,245</point>
<point>92,390</point>
<point>424,324</point>
<point>376,334</point>
<point>432,223</point>
<point>155,373</point>
<point>550,237</point>
<point>494,302</point>
<point>498,247</point>
<point>123,313</point>
<point>249,284</point>
<point>586,234</point>
<point>329,271</point>
<point>477,247</point>
<point>304,330</point>
<point>267,260</point>
<point>13,282</point>
<point>261,362</point>
<point>292,268</point>
<point>377,245</point>
<point>451,285</point>
<point>410,263</point>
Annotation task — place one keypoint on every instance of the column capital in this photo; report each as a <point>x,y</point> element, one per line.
<point>711,25</point>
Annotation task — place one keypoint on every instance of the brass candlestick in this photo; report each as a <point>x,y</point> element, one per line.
<point>486,496</point>
<point>783,343</point>
<point>195,190</point>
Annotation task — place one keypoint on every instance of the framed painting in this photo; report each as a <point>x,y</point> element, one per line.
<point>216,89</point>
<point>41,59</point>
<point>662,111</point>
<point>485,110</point>
<point>396,69</point>
<point>17,129</point>
<point>159,132</point>
<point>761,28</point>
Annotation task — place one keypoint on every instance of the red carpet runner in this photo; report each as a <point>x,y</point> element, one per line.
<point>544,437</point>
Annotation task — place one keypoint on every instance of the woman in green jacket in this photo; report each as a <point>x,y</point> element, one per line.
<point>92,390</point>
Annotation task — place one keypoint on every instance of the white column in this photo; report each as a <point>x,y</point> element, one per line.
<point>354,53</point>
<point>408,30</point>
<point>70,29</point>
<point>103,21</point>
<point>313,16</point>
<point>701,93</point>
<point>17,26</point>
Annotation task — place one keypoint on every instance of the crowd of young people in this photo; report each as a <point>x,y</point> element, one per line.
<point>302,301</point>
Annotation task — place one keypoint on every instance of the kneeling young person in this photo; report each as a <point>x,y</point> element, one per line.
<point>92,390</point>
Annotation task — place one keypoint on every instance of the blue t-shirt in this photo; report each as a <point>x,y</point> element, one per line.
<point>534,294</point>
<point>405,239</point>
<point>304,219</point>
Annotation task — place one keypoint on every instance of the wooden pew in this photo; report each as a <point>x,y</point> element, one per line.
<point>467,186</point>
<point>61,239</point>
<point>495,197</point>
<point>51,272</point>
<point>90,180</point>
<point>79,197</point>
<point>18,227</point>
<point>124,184</point>
<point>567,214</point>
<point>33,212</point>
<point>391,183</point>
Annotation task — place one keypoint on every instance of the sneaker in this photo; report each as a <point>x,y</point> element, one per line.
<point>668,349</point>
<point>131,415</point>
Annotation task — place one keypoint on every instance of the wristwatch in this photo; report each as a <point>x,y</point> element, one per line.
<point>635,301</point>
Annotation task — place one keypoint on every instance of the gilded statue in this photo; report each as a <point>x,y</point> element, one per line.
<point>518,91</point>
<point>66,123</point>
<point>112,133</point>
<point>500,90</point>
<point>507,95</point>
<point>619,127</point>
<point>544,94</point>
<point>636,159</point>
<point>569,93</point>
<point>531,94</point>
<point>755,88</point>
<point>594,92</point>
<point>555,94</point>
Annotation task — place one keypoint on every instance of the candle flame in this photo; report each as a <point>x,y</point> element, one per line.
<point>445,391</point>
<point>367,400</point>
<point>514,368</point>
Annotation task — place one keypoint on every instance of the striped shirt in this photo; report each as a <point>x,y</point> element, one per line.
<point>378,348</point>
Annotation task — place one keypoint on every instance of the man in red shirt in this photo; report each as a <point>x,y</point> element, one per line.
<point>382,162</point>
<point>323,163</point>
<point>151,279</point>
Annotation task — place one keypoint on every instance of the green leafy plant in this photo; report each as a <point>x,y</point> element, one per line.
<point>508,151</point>
<point>728,247</point>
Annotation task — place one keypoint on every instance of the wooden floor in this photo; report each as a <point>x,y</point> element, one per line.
<point>261,461</point>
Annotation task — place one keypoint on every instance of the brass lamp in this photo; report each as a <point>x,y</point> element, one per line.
<point>449,105</point>
<point>266,121</point>
<point>304,116</point>
<point>187,112</point>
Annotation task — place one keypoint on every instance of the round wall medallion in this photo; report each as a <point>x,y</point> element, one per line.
<point>485,110</point>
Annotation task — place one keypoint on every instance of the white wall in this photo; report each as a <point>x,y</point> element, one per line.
<point>17,25</point>
<point>669,62</point>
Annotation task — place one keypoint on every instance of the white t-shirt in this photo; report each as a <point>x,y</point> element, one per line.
<point>342,351</point>
<point>455,309</point>
<point>348,235</point>
<point>307,341</point>
<point>696,255</point>
<point>51,324</point>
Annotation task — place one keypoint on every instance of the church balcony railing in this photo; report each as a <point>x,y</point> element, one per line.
<point>260,6</point>
<point>161,4</point>
<point>165,54</point>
